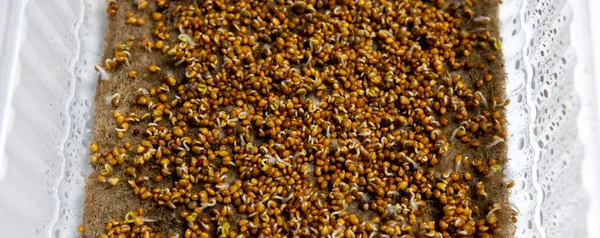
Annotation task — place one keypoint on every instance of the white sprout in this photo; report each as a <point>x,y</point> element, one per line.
<point>415,164</point>
<point>388,173</point>
<point>121,130</point>
<point>481,19</point>
<point>219,123</point>
<point>104,75</point>
<point>180,61</point>
<point>412,48</point>
<point>273,160</point>
<point>242,114</point>
<point>393,209</point>
<point>285,199</point>
<point>145,219</point>
<point>455,132</point>
<point>204,225</point>
<point>365,133</point>
<point>414,204</point>
<point>496,208</point>
<point>458,221</point>
<point>252,225</point>
<point>189,74</point>
<point>339,231</point>
<point>362,149</point>
<point>108,99</point>
<point>434,121</point>
<point>222,186</point>
<point>186,38</point>
<point>352,235</point>
<point>310,169</point>
<point>515,208</point>
<point>374,234</point>
<point>301,153</point>
<point>243,143</point>
<point>143,90</point>
<point>483,100</point>
<point>182,169</point>
<point>314,230</point>
<point>212,203</point>
<point>506,101</point>
<point>344,206</point>
<point>496,141</point>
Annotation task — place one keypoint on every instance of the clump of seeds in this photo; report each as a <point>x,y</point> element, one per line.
<point>132,224</point>
<point>307,118</point>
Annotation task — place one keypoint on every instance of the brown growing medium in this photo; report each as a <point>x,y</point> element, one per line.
<point>299,119</point>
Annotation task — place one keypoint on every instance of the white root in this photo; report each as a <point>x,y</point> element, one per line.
<point>344,206</point>
<point>415,164</point>
<point>455,132</point>
<point>212,203</point>
<point>222,186</point>
<point>365,133</point>
<point>492,211</point>
<point>483,100</point>
<point>498,140</point>
<point>275,159</point>
<point>144,91</point>
<point>145,219</point>
<point>481,19</point>
<point>108,99</point>
<point>104,75</point>
<point>413,204</point>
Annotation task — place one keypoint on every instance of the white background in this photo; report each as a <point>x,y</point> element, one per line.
<point>586,23</point>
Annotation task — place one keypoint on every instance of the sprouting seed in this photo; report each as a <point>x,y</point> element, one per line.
<point>130,216</point>
<point>460,131</point>
<point>186,39</point>
<point>484,20</point>
<point>114,181</point>
<point>143,91</point>
<point>495,168</point>
<point>483,100</point>
<point>110,100</point>
<point>192,217</point>
<point>107,170</point>
<point>153,68</point>
<point>497,44</point>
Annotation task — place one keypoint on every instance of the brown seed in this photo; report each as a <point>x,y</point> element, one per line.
<point>146,195</point>
<point>94,147</point>
<point>132,73</point>
<point>467,176</point>
<point>113,181</point>
<point>156,16</point>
